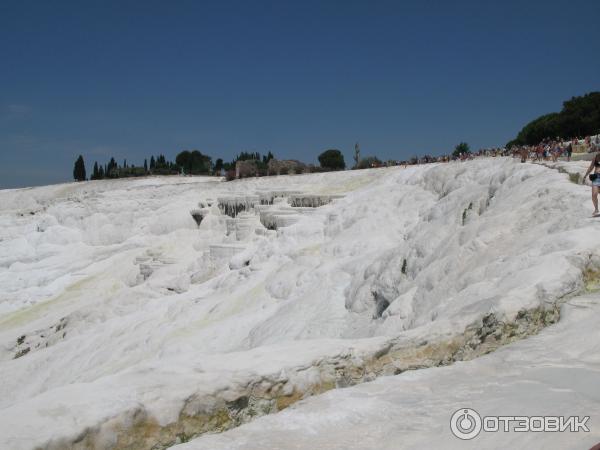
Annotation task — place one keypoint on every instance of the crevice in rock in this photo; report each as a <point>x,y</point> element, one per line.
<point>38,339</point>
<point>198,215</point>
<point>465,212</point>
<point>381,304</point>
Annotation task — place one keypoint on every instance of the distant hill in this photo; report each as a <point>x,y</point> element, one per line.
<point>579,116</point>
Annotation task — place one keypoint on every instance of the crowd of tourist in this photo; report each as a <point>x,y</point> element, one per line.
<point>550,149</point>
<point>547,150</point>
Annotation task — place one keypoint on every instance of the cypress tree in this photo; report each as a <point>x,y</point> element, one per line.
<point>79,169</point>
<point>95,171</point>
<point>145,166</point>
<point>112,166</point>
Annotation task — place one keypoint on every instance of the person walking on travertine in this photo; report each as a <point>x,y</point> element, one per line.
<point>595,179</point>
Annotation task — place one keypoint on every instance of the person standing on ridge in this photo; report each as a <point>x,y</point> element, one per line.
<point>569,151</point>
<point>524,153</point>
<point>595,179</point>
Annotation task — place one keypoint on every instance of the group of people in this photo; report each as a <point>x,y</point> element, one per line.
<point>552,149</point>
<point>548,150</point>
<point>555,148</point>
<point>426,159</point>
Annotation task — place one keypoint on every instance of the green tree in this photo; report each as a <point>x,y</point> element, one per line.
<point>79,169</point>
<point>193,162</point>
<point>218,165</point>
<point>245,156</point>
<point>266,158</point>
<point>112,170</point>
<point>184,160</point>
<point>332,159</point>
<point>579,116</point>
<point>145,166</point>
<point>95,172</point>
<point>152,163</point>
<point>463,147</point>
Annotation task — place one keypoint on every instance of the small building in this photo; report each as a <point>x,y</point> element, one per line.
<point>247,168</point>
<point>286,166</point>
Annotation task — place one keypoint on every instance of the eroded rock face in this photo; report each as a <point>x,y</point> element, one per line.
<point>397,258</point>
<point>232,206</point>
<point>137,430</point>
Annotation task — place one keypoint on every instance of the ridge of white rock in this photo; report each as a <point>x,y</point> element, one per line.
<point>118,313</point>
<point>556,373</point>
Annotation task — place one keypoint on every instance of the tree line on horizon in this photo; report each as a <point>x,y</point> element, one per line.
<point>190,162</point>
<point>579,117</point>
<point>196,163</point>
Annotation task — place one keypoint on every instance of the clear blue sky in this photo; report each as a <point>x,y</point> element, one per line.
<point>131,79</point>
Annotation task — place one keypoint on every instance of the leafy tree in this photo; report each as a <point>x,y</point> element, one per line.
<point>332,159</point>
<point>79,169</point>
<point>218,165</point>
<point>579,116</point>
<point>194,162</point>
<point>184,159</point>
<point>536,130</point>
<point>463,147</point>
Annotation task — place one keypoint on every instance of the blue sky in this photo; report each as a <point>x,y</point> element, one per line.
<point>131,79</point>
